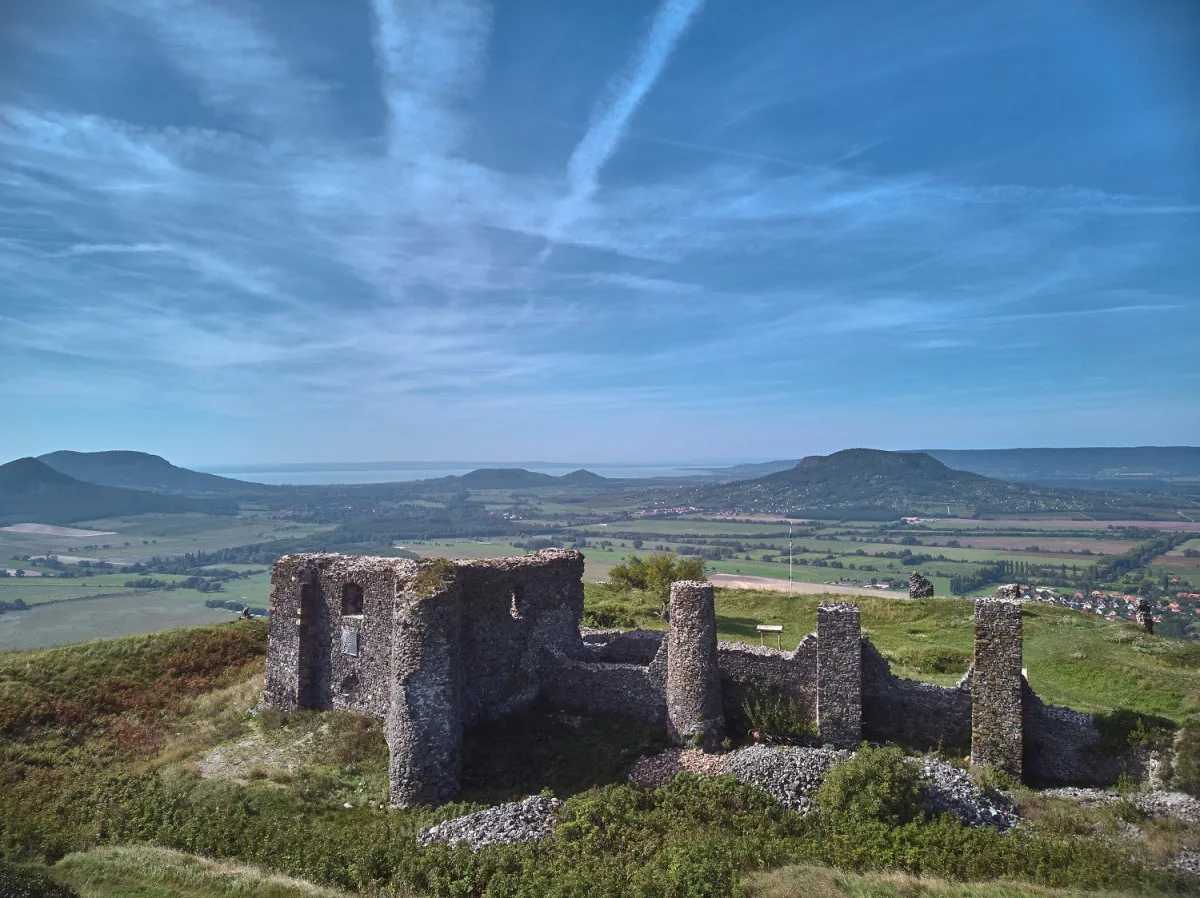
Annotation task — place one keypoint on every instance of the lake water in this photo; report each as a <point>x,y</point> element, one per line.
<point>63,622</point>
<point>387,472</point>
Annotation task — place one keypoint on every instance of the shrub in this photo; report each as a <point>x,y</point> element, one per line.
<point>1124,729</point>
<point>779,717</point>
<point>876,786</point>
<point>610,614</point>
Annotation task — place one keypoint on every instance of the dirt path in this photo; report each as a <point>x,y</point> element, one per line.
<point>741,581</point>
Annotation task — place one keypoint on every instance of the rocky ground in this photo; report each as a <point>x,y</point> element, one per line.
<point>516,821</point>
<point>790,774</point>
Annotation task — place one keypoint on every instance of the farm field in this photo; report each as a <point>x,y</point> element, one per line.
<point>122,614</point>
<point>79,613</point>
<point>141,537</point>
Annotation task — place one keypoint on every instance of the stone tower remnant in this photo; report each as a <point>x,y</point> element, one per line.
<point>694,701</point>
<point>919,587</point>
<point>996,687</point>
<point>1145,615</point>
<point>1011,591</point>
<point>839,674</point>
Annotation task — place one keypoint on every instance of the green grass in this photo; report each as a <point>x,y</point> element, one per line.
<point>142,871</point>
<point>821,882</point>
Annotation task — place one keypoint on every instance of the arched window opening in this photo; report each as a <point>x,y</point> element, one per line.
<point>352,599</point>
<point>514,607</point>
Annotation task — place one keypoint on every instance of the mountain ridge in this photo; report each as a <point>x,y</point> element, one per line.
<point>130,469</point>
<point>32,491</point>
<point>889,483</point>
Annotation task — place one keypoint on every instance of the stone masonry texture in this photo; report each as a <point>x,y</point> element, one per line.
<point>694,708</point>
<point>996,695</point>
<point>919,587</point>
<point>839,674</point>
<point>433,648</point>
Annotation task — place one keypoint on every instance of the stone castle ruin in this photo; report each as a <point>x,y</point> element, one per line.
<point>434,647</point>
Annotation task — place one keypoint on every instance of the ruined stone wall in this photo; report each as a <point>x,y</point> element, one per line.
<point>515,609</point>
<point>912,713</point>
<point>996,716</point>
<point>602,687</point>
<point>621,646</point>
<point>839,674</point>
<point>319,657</point>
<point>750,670</point>
<point>694,711</point>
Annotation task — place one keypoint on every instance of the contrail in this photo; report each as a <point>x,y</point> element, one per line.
<point>611,116</point>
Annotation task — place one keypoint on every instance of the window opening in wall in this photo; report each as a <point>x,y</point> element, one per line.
<point>352,599</point>
<point>514,607</point>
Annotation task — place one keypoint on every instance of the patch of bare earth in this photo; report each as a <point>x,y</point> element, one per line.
<point>51,530</point>
<point>740,581</point>
<point>236,761</point>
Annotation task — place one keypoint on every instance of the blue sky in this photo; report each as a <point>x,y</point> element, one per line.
<point>266,231</point>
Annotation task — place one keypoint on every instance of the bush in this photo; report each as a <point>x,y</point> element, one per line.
<point>876,786</point>
<point>779,717</point>
<point>609,614</point>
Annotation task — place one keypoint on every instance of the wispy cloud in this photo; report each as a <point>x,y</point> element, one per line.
<point>610,118</point>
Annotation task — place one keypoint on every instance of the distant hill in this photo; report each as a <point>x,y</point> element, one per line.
<point>500,479</point>
<point>583,477</point>
<point>874,482</point>
<point>143,471</point>
<point>32,491</point>
<point>1141,468</point>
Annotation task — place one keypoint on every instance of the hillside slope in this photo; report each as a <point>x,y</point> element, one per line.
<point>1142,468</point>
<point>143,471</point>
<point>871,480</point>
<point>31,491</point>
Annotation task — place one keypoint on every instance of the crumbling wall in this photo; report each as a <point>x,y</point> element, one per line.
<point>317,655</point>
<point>996,716</point>
<point>912,713</point>
<point>750,670</point>
<point>601,687</point>
<point>694,712</point>
<point>621,646</point>
<point>839,674</point>
<point>514,610</point>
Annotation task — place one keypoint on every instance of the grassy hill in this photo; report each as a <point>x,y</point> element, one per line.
<point>32,491</point>
<point>136,741</point>
<point>143,471</point>
<point>874,483</point>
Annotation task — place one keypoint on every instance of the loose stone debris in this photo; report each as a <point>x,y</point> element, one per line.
<point>516,821</point>
<point>789,774</point>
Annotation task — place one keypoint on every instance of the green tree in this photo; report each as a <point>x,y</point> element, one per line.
<point>656,573</point>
